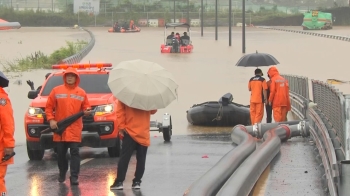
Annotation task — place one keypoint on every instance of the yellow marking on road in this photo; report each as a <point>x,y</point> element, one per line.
<point>260,187</point>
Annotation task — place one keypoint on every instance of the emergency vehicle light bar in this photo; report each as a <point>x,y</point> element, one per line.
<point>82,66</point>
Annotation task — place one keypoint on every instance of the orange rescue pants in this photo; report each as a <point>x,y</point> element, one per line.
<point>256,112</point>
<point>3,169</point>
<point>280,113</point>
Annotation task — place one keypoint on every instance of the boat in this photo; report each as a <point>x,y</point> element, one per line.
<point>219,113</point>
<point>132,28</point>
<point>5,25</point>
<point>122,30</point>
<point>171,45</point>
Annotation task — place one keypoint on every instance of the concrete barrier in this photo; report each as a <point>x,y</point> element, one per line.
<point>195,22</point>
<point>153,22</point>
<point>142,22</point>
<point>336,37</point>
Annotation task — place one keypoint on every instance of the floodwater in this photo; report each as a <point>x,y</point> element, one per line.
<point>210,71</point>
<point>204,75</point>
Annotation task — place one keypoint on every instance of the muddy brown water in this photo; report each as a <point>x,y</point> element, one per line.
<point>204,75</point>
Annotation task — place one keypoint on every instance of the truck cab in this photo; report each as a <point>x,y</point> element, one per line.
<point>99,129</point>
<point>317,20</point>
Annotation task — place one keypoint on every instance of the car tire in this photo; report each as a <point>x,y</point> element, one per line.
<point>115,150</point>
<point>167,132</point>
<point>35,155</point>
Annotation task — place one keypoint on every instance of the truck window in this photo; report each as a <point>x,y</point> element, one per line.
<point>91,83</point>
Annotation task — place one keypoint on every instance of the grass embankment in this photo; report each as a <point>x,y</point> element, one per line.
<point>38,60</point>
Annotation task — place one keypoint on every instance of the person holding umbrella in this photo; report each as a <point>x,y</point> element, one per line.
<point>7,129</point>
<point>279,95</point>
<point>257,86</point>
<point>67,99</point>
<point>259,60</point>
<point>141,87</point>
<point>134,128</point>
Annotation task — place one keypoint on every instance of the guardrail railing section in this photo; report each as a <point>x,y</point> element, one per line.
<point>319,131</point>
<point>299,94</point>
<point>76,58</point>
<point>331,103</point>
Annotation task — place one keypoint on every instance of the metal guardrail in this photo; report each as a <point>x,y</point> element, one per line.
<point>337,37</point>
<point>76,58</point>
<point>321,127</point>
<point>331,103</point>
<point>299,94</point>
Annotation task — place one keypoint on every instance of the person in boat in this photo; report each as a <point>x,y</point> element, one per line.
<point>131,25</point>
<point>268,107</point>
<point>177,36</point>
<point>116,27</point>
<point>175,44</point>
<point>257,86</point>
<point>170,36</point>
<point>169,39</point>
<point>125,26</point>
<point>279,95</point>
<point>185,37</point>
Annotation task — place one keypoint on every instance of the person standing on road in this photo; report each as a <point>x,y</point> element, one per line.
<point>257,86</point>
<point>279,95</point>
<point>267,106</point>
<point>66,100</point>
<point>134,127</point>
<point>7,140</point>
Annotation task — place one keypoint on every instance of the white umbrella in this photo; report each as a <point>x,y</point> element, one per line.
<point>142,84</point>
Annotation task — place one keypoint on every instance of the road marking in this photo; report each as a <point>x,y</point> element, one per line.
<point>83,162</point>
<point>86,160</point>
<point>260,187</point>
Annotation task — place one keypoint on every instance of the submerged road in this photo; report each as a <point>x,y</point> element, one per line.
<point>205,75</point>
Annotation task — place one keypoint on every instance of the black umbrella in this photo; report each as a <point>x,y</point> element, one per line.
<point>4,82</point>
<point>257,60</point>
<point>63,124</point>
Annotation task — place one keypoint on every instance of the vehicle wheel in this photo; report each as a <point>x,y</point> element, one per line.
<point>115,150</point>
<point>167,132</point>
<point>35,154</point>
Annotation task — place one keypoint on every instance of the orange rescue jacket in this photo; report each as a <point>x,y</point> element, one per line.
<point>279,89</point>
<point>136,123</point>
<point>66,101</point>
<point>7,125</point>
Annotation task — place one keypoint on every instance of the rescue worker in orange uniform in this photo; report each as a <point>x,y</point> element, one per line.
<point>267,106</point>
<point>7,140</point>
<point>279,95</point>
<point>66,100</point>
<point>134,127</point>
<point>257,86</point>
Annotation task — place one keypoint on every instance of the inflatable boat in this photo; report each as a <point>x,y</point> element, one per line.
<point>5,25</point>
<point>219,113</point>
<point>122,30</point>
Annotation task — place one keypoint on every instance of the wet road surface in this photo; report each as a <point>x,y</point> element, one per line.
<point>170,169</point>
<point>204,75</point>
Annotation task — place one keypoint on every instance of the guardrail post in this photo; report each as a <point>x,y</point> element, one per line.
<point>344,188</point>
<point>347,127</point>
